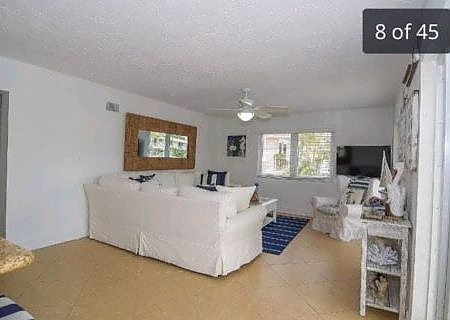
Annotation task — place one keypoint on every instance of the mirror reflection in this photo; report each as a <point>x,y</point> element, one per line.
<point>154,144</point>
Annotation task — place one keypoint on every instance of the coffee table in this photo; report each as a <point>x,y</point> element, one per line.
<point>271,205</point>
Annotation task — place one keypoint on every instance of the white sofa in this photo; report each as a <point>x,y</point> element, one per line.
<point>196,234</point>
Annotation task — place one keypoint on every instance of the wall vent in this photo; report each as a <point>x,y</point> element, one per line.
<point>111,106</point>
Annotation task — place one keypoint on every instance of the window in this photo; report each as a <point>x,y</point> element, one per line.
<point>275,156</point>
<point>297,155</point>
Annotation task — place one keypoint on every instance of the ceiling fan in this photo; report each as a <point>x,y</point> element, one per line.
<point>246,109</point>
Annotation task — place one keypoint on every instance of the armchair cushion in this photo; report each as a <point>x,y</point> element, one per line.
<point>331,209</point>
<point>317,202</point>
<point>351,211</point>
<point>353,196</point>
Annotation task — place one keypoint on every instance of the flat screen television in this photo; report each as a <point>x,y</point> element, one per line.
<point>361,160</point>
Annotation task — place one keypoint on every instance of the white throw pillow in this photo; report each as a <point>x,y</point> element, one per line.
<point>152,188</point>
<point>226,200</point>
<point>184,179</point>
<point>119,183</point>
<point>241,194</point>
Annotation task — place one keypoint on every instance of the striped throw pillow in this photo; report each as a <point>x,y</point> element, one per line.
<point>362,183</point>
<point>356,191</point>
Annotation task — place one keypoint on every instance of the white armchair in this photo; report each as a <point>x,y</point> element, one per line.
<point>342,222</point>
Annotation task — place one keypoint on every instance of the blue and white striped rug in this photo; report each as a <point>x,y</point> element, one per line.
<point>9,310</point>
<point>277,235</point>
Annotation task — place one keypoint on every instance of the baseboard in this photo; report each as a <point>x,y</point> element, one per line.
<point>295,213</point>
<point>50,240</point>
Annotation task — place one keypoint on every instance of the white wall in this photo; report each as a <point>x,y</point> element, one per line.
<point>409,181</point>
<point>369,126</point>
<point>61,136</point>
<point>424,191</point>
<point>3,159</point>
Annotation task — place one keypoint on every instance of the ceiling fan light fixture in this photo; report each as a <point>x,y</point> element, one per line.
<point>245,115</point>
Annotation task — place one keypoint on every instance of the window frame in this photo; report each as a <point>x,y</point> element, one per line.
<point>293,157</point>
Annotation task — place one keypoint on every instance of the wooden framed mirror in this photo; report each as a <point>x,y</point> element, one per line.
<point>155,144</point>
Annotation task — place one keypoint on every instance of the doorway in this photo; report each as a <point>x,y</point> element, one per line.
<point>4,105</point>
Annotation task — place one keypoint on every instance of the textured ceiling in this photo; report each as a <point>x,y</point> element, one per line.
<point>197,53</point>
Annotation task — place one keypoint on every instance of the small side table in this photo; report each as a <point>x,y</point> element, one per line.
<point>271,206</point>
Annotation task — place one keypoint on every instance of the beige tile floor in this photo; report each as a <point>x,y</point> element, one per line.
<point>316,277</point>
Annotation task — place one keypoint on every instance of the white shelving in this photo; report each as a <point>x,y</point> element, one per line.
<point>392,300</point>
<point>388,231</point>
<point>394,270</point>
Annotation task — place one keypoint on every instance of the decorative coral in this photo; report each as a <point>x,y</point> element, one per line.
<point>382,255</point>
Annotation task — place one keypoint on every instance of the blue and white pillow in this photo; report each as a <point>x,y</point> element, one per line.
<point>143,178</point>
<point>356,191</point>
<point>360,183</point>
<point>207,187</point>
<point>215,178</point>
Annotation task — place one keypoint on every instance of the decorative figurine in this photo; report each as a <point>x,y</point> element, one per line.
<point>381,286</point>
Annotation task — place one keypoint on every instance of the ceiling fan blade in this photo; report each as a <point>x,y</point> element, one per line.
<point>222,111</point>
<point>262,115</point>
<point>272,109</point>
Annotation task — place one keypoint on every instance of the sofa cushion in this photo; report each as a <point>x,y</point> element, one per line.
<point>119,183</point>
<point>164,179</point>
<point>207,187</point>
<point>185,179</point>
<point>143,178</point>
<point>242,195</point>
<point>151,188</point>
<point>226,200</point>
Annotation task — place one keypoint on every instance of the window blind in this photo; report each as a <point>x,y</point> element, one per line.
<point>276,150</point>
<point>314,154</point>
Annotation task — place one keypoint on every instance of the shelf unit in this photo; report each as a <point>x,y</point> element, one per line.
<point>392,300</point>
<point>394,270</point>
<point>388,231</point>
